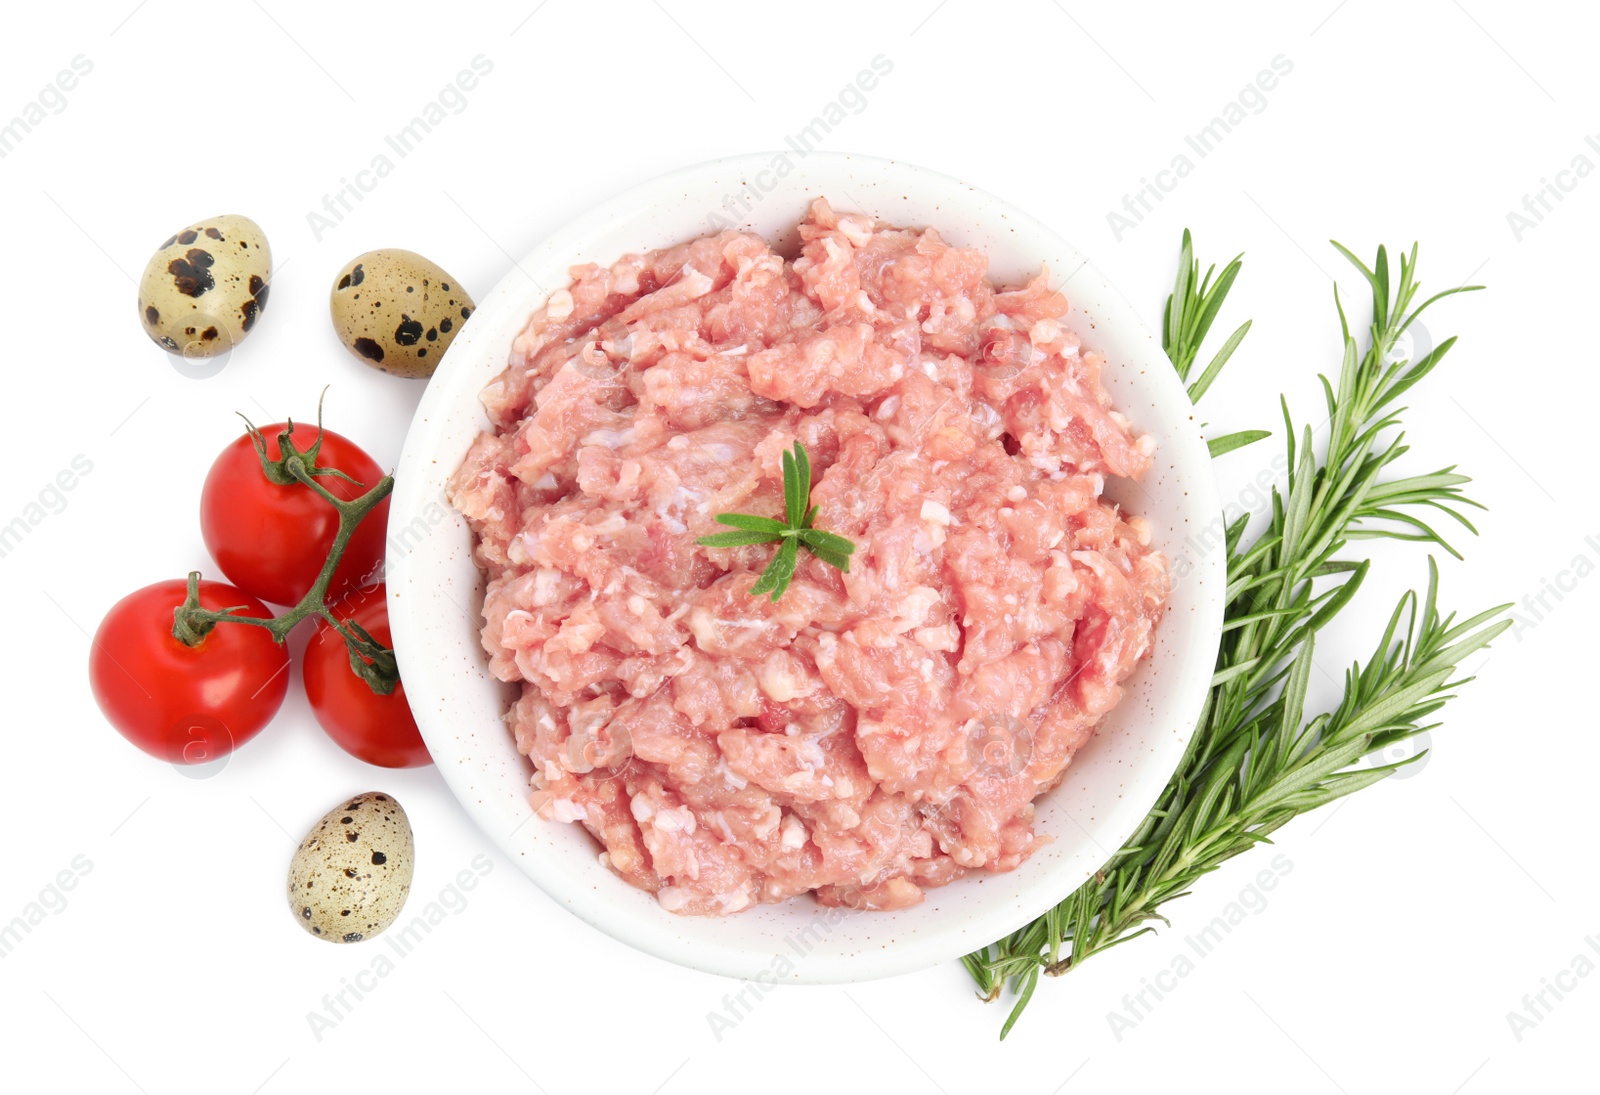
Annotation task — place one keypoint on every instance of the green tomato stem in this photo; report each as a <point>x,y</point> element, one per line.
<point>369,659</point>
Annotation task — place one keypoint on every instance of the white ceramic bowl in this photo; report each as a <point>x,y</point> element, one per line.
<point>435,591</point>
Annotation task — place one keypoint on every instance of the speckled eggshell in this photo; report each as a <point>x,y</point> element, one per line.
<point>351,875</point>
<point>397,311</point>
<point>205,287</point>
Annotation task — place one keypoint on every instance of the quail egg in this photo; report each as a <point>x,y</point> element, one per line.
<point>351,875</point>
<point>205,287</point>
<point>397,311</point>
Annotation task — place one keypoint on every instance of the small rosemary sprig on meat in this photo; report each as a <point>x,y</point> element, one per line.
<point>1258,758</point>
<point>791,534</point>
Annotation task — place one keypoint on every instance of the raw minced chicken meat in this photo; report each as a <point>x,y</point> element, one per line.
<point>871,734</point>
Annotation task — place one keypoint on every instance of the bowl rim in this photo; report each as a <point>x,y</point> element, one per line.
<point>615,916</point>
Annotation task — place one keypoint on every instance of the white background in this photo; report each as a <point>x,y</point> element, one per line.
<point>1414,918</point>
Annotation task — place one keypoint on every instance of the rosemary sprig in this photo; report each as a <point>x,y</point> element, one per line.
<point>1256,760</point>
<point>791,534</point>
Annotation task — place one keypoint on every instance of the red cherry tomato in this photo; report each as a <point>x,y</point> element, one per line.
<point>186,704</point>
<point>378,729</point>
<point>271,539</point>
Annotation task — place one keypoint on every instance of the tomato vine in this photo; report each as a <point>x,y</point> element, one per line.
<point>370,660</point>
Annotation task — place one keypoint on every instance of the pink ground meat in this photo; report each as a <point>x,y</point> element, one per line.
<point>873,733</point>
